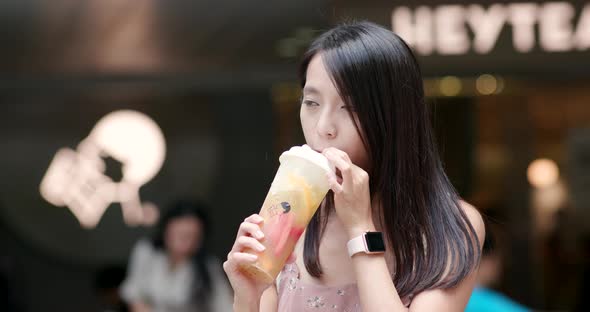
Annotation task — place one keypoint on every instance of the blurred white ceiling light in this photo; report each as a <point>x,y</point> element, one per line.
<point>542,173</point>
<point>76,178</point>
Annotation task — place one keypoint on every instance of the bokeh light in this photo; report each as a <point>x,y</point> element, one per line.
<point>542,173</point>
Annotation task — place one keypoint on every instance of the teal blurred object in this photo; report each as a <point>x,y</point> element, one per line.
<point>487,300</point>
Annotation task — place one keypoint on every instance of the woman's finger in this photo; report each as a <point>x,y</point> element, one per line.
<point>245,242</point>
<point>341,161</point>
<point>250,229</point>
<point>335,186</point>
<point>255,218</point>
<point>242,258</point>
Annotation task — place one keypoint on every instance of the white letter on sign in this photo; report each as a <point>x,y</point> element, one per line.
<point>522,18</point>
<point>583,32</point>
<point>451,35</point>
<point>417,32</point>
<point>486,26</point>
<point>555,26</point>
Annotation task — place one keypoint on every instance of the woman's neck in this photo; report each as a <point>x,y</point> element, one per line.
<point>175,261</point>
<point>335,230</point>
<point>336,264</point>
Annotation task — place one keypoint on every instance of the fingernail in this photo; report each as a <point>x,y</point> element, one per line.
<point>259,234</point>
<point>261,248</point>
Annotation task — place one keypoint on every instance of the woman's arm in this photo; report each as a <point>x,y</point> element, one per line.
<point>268,302</point>
<point>376,289</point>
<point>352,202</point>
<point>377,292</point>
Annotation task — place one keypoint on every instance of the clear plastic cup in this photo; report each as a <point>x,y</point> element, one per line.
<point>299,187</point>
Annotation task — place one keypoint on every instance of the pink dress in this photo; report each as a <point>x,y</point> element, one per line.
<point>297,296</point>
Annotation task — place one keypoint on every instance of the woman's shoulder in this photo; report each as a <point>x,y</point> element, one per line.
<point>143,248</point>
<point>143,256</point>
<point>475,219</point>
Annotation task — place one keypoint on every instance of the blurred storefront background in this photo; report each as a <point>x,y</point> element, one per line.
<point>508,81</point>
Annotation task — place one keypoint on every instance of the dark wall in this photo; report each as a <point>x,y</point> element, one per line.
<point>220,148</point>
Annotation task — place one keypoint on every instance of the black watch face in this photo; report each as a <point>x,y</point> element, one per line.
<point>375,242</point>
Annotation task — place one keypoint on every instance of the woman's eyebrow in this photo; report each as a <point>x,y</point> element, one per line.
<point>310,90</point>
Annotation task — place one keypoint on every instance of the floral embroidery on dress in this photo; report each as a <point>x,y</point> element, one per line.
<point>297,296</point>
<point>292,283</point>
<point>316,302</point>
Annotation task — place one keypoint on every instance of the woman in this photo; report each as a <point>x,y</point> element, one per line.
<point>363,108</point>
<point>173,272</point>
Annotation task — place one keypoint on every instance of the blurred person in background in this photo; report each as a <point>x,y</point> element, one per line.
<point>173,272</point>
<point>484,298</point>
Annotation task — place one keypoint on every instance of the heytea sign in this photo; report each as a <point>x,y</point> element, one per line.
<point>459,29</point>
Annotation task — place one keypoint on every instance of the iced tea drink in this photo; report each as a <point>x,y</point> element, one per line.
<point>299,186</point>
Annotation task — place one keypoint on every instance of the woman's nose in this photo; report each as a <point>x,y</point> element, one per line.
<point>326,126</point>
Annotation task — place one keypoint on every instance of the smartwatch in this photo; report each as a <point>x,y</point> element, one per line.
<point>369,243</point>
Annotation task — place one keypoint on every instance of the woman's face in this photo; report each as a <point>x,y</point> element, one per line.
<point>183,236</point>
<point>325,117</point>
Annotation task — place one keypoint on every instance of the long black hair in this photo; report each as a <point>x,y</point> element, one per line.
<point>202,283</point>
<point>428,235</point>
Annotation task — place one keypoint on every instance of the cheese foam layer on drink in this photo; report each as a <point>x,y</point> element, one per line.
<point>309,154</point>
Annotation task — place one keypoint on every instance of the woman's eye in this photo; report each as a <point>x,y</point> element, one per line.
<point>348,107</point>
<point>310,103</point>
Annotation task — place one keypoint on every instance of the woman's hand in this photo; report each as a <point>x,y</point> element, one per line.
<point>352,196</point>
<point>249,237</point>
